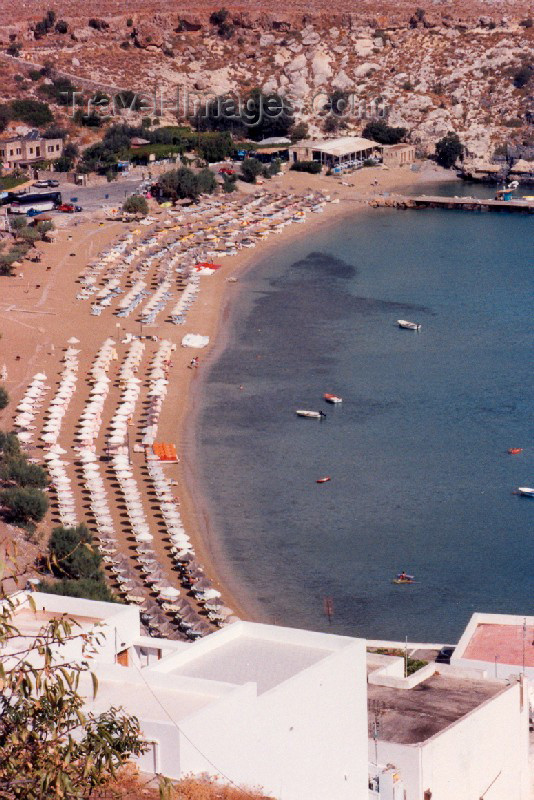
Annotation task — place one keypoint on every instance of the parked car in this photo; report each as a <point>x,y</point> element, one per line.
<point>53,184</point>
<point>41,185</point>
<point>444,655</point>
<point>68,208</point>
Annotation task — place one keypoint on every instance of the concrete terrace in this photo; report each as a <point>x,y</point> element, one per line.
<point>264,662</point>
<point>409,716</point>
<point>506,642</point>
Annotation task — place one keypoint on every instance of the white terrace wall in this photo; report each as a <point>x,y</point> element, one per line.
<point>305,738</point>
<point>490,744</point>
<point>461,762</point>
<point>117,627</point>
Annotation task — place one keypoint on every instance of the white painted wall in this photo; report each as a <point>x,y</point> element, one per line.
<point>461,762</point>
<point>498,669</point>
<point>117,629</point>
<point>306,738</point>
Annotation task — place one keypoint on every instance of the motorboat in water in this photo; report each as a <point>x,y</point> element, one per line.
<point>409,326</point>
<point>301,412</point>
<point>332,398</point>
<point>525,491</point>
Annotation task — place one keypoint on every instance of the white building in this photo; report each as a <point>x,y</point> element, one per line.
<point>501,645</point>
<point>280,709</point>
<point>334,152</point>
<point>446,733</point>
<point>287,710</point>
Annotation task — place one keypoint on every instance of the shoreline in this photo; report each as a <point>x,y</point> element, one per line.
<point>210,314</point>
<point>194,496</point>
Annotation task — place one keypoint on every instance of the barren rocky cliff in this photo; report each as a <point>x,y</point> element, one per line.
<point>448,66</point>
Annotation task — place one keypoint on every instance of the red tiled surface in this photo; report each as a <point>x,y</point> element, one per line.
<point>503,641</point>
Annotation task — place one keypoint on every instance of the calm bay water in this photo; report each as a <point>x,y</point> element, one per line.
<point>417,452</point>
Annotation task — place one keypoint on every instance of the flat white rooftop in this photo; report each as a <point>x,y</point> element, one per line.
<point>150,703</point>
<point>251,659</point>
<point>341,146</point>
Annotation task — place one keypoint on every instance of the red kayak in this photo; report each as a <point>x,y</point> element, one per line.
<point>323,480</point>
<point>514,451</point>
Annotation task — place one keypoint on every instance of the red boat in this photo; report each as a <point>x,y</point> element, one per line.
<point>514,451</point>
<point>332,398</point>
<point>324,480</point>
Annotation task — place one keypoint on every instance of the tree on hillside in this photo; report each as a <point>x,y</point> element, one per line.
<point>88,588</point>
<point>5,116</point>
<point>449,150</point>
<point>49,746</point>
<point>215,147</point>
<point>9,444</point>
<point>24,505</point>
<point>32,112</point>
<point>4,397</point>
<point>136,204</point>
<point>381,132</point>
<point>18,470</point>
<point>71,554</point>
<point>267,115</point>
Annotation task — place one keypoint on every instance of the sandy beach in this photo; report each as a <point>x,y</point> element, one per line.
<point>39,312</point>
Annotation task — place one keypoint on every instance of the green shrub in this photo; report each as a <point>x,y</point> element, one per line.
<point>87,588</point>
<point>24,505</point>
<point>449,150</point>
<point>9,444</point>
<point>136,204</point>
<point>218,17</point>
<point>72,555</point>
<point>31,111</point>
<point>313,167</point>
<point>523,76</point>
<point>184,183</point>
<point>4,398</point>
<point>18,470</point>
<point>228,185</point>
<point>250,169</point>
<point>381,132</point>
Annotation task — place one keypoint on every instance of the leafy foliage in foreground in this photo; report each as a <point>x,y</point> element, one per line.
<point>50,748</point>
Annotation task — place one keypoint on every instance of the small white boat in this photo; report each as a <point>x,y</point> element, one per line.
<point>332,398</point>
<point>410,326</point>
<point>310,414</point>
<point>525,491</point>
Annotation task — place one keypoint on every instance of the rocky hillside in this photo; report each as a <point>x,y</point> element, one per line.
<point>466,67</point>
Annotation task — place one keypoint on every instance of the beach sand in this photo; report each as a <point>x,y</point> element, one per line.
<point>39,312</point>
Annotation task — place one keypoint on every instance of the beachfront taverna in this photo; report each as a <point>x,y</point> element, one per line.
<point>334,152</point>
<point>349,150</point>
<point>303,714</point>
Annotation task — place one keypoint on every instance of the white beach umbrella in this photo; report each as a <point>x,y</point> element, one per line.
<point>169,593</point>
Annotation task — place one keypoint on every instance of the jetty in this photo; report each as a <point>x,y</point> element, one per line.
<point>452,203</point>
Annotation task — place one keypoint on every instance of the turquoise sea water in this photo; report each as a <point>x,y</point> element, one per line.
<point>417,452</point>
